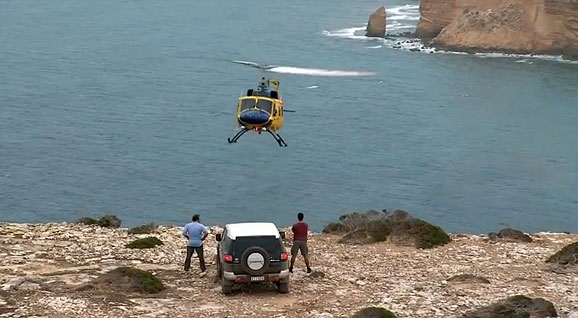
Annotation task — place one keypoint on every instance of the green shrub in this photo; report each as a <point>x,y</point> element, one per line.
<point>147,242</point>
<point>131,279</point>
<point>379,230</point>
<point>109,221</point>
<point>87,221</point>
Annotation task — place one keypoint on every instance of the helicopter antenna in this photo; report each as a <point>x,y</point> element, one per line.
<point>303,70</point>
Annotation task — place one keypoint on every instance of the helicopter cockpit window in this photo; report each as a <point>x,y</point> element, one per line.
<point>265,105</point>
<point>247,103</point>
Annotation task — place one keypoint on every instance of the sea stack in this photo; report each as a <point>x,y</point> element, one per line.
<point>376,23</point>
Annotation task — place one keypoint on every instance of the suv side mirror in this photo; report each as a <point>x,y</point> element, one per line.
<point>282,233</point>
<point>218,237</point>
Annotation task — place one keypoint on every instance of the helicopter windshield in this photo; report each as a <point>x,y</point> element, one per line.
<point>247,103</point>
<point>265,105</point>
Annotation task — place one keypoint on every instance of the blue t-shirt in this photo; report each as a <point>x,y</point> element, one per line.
<point>195,231</point>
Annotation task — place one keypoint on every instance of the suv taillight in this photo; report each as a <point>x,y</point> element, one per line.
<point>284,256</point>
<point>228,258</point>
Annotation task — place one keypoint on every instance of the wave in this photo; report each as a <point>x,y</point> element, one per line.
<point>404,18</point>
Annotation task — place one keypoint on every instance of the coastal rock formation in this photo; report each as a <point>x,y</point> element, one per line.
<point>58,270</point>
<point>511,235</point>
<point>533,26</point>
<point>376,23</point>
<point>398,227</point>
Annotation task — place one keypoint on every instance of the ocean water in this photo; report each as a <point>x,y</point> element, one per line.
<point>125,107</point>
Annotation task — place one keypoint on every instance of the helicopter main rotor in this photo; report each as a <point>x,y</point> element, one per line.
<point>304,70</point>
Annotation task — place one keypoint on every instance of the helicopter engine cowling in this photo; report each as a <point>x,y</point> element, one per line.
<point>254,117</point>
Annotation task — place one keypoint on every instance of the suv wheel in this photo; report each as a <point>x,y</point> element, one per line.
<point>283,288</point>
<point>226,286</point>
<point>255,260</point>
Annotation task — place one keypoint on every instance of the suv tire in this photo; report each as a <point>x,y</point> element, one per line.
<point>283,288</point>
<point>226,286</point>
<point>250,252</point>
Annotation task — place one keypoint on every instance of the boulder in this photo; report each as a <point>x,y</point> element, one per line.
<point>516,307</point>
<point>376,23</point>
<point>566,256</point>
<point>143,229</point>
<point>374,312</point>
<point>513,235</point>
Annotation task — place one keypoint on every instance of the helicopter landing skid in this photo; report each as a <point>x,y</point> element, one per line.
<point>237,135</point>
<point>275,135</point>
<point>278,138</point>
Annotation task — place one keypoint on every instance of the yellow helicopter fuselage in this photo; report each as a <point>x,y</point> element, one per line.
<point>268,113</point>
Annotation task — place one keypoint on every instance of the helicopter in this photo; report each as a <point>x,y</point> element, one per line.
<point>262,109</point>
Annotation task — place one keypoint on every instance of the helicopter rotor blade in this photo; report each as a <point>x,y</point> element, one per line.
<point>317,71</point>
<point>304,70</point>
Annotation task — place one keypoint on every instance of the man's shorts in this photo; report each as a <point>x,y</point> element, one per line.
<point>299,245</point>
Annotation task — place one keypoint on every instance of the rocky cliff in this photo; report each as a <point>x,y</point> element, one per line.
<point>529,26</point>
<point>56,270</point>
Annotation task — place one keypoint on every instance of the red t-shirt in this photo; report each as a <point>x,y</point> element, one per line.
<point>300,231</point>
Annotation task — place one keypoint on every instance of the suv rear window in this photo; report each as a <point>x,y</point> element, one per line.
<point>271,244</point>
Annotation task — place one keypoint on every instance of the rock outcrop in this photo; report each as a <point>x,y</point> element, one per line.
<point>515,26</point>
<point>397,227</point>
<point>376,23</point>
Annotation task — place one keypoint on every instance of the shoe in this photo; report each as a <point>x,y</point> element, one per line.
<point>308,269</point>
<point>291,269</point>
<point>203,274</point>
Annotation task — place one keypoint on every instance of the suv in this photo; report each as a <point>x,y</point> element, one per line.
<point>252,253</point>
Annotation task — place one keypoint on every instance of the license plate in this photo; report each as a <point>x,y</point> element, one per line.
<point>257,278</point>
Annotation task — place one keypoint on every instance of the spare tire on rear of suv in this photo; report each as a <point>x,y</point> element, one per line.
<point>255,260</point>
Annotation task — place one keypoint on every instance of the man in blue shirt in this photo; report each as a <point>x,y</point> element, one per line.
<point>195,232</point>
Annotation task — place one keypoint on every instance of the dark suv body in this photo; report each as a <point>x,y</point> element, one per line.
<point>252,253</point>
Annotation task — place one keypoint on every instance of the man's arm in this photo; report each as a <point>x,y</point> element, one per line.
<point>185,232</point>
<point>205,234</point>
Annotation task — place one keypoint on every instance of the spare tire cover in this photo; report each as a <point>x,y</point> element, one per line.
<point>255,260</point>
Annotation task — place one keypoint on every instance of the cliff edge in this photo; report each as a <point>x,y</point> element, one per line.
<point>512,26</point>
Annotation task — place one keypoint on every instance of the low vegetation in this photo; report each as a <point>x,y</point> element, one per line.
<point>147,242</point>
<point>108,221</point>
<point>128,279</point>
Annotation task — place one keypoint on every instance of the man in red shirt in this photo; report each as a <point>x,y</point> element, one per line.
<point>300,242</point>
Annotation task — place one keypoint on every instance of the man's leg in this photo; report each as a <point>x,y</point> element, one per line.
<point>305,253</point>
<point>201,255</point>
<point>188,259</point>
<point>294,250</point>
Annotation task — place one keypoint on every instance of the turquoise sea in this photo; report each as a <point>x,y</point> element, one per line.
<point>125,107</point>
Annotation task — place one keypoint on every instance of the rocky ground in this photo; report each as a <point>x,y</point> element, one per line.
<point>44,266</point>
